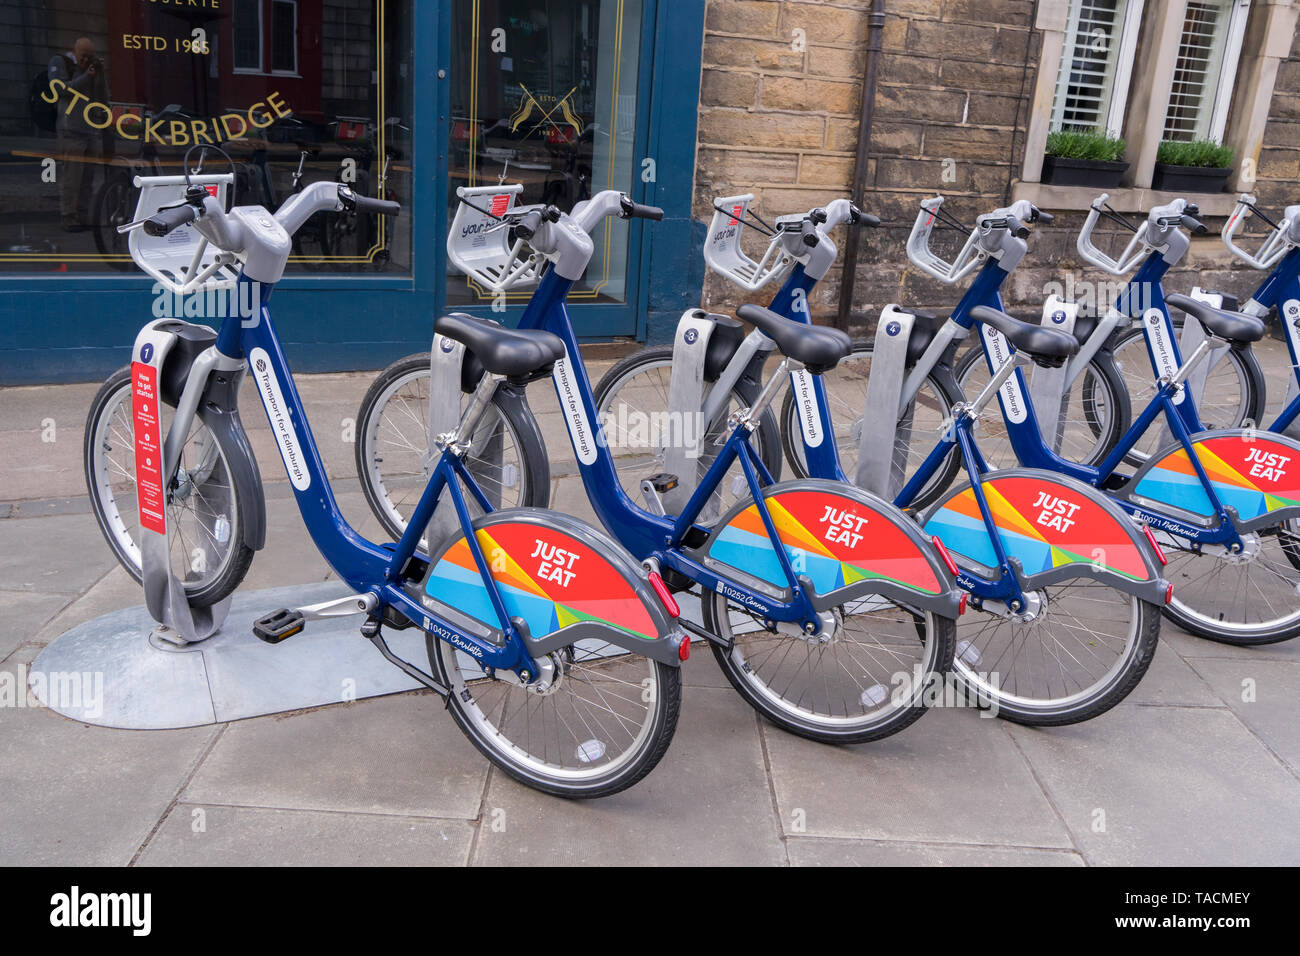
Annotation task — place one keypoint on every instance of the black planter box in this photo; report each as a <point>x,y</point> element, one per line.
<point>1061,171</point>
<point>1189,179</point>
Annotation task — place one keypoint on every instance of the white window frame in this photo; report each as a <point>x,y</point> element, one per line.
<point>294,5</point>
<point>1231,56</point>
<point>1129,27</point>
<point>261,42</point>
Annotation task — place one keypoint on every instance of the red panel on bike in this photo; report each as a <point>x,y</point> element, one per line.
<point>1252,472</point>
<point>547,577</point>
<point>1043,523</point>
<point>833,539</point>
<point>148,447</point>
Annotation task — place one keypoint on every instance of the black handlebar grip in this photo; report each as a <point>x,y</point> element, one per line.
<point>1046,218</point>
<point>809,230</point>
<point>636,210</point>
<point>1195,225</point>
<point>529,224</point>
<point>377,207</point>
<point>165,220</point>
<point>1018,228</point>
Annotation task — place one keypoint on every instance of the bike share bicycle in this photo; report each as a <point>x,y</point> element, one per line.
<point>1127,348</point>
<point>1065,588</point>
<point>828,610</point>
<point>548,642</point>
<point>1224,502</point>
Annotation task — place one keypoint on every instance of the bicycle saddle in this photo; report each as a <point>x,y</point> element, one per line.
<point>502,351</point>
<point>816,346</point>
<point>1233,326</point>
<point>1046,346</point>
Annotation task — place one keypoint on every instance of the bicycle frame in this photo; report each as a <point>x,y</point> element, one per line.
<point>366,567</point>
<point>646,535</point>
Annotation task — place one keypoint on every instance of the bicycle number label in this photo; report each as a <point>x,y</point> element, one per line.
<point>1013,400</point>
<point>148,447</point>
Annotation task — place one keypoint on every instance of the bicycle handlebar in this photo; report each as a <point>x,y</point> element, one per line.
<point>354,202</point>
<point>635,210</point>
<point>165,220</point>
<point>1284,236</point>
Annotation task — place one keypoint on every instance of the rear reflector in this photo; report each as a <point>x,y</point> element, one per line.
<point>1160,555</point>
<point>961,608</point>
<point>943,553</point>
<point>1169,592</point>
<point>684,648</point>
<point>665,596</point>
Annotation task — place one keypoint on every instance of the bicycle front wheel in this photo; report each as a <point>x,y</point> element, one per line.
<point>507,455</point>
<point>209,552</point>
<point>1234,392</point>
<point>846,392</point>
<point>1097,412</point>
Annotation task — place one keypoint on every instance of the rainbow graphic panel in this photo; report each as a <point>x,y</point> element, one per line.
<point>1043,523</point>
<point>1254,476</point>
<point>547,577</point>
<point>833,539</point>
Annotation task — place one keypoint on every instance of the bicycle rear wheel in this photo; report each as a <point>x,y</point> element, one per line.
<point>603,717</point>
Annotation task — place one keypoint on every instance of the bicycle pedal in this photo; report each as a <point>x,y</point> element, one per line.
<point>278,625</point>
<point>662,482</point>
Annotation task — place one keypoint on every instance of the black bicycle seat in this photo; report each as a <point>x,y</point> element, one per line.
<point>816,346</point>
<point>502,351</point>
<point>1045,346</point>
<point>1233,326</point>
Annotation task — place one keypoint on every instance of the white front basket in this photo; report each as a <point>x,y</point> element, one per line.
<point>479,245</point>
<point>182,261</point>
<point>722,250</point>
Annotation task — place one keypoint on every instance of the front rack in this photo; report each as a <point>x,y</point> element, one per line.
<point>722,251</point>
<point>927,260</point>
<point>1284,237</point>
<point>479,242</point>
<point>182,261</point>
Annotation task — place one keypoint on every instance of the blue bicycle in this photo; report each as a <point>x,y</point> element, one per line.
<point>549,643</point>
<point>1223,503</point>
<point>829,611</point>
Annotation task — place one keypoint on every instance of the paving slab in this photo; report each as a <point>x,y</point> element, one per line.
<point>22,613</point>
<point>1171,680</point>
<point>952,777</point>
<point>815,851</point>
<point>243,836</point>
<point>47,555</point>
<point>1271,711</point>
<point>1190,647</point>
<point>394,755</point>
<point>1177,786</point>
<point>707,803</point>
<point>113,591</point>
<point>76,795</point>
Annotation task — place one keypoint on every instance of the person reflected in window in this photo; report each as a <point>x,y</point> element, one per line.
<point>81,146</point>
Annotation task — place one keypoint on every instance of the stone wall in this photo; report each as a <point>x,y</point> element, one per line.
<point>954,91</point>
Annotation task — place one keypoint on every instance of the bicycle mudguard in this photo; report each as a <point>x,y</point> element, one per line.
<point>843,540</point>
<point>1255,473</point>
<point>566,581</point>
<point>1053,526</point>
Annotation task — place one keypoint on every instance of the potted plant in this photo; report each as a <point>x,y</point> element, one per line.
<point>1196,166</point>
<point>1083,158</point>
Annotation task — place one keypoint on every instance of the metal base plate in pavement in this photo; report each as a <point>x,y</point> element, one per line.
<point>109,672</point>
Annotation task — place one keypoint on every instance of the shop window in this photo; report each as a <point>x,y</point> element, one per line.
<point>294,92</point>
<point>544,93</point>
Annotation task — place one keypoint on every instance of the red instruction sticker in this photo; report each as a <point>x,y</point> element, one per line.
<point>148,447</point>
